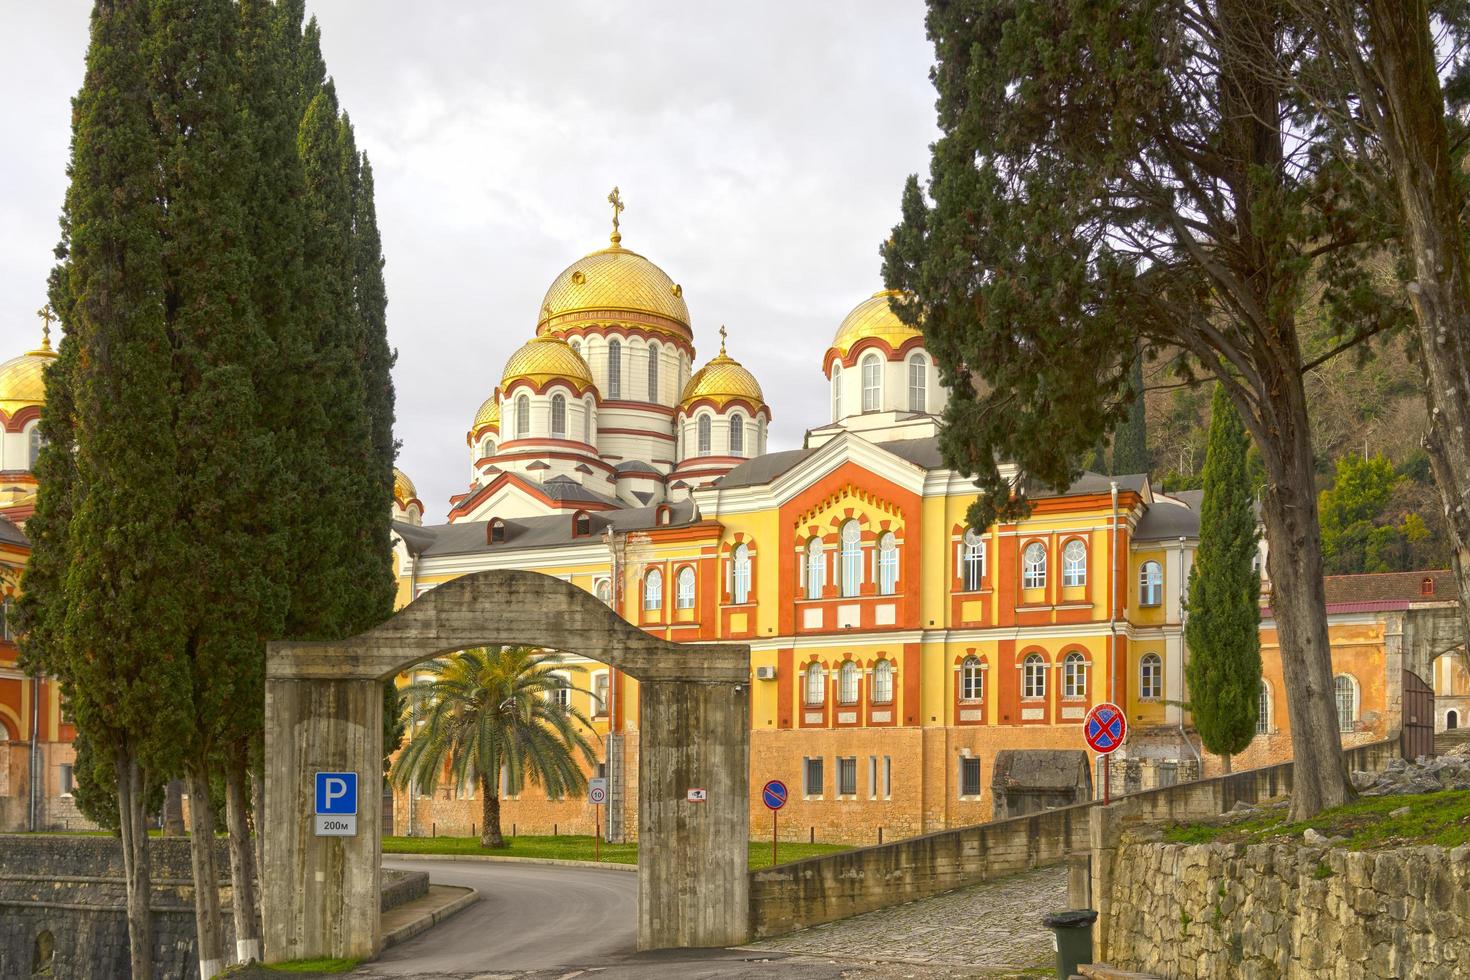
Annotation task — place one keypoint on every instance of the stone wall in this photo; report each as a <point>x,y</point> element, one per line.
<point>1223,911</point>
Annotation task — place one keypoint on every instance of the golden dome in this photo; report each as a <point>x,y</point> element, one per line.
<point>21,382</point>
<point>615,279</point>
<point>489,413</point>
<point>873,318</point>
<point>722,381</point>
<point>403,488</point>
<point>545,359</point>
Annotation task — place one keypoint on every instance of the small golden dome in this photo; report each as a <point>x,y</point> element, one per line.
<point>873,318</point>
<point>545,359</point>
<point>619,280</point>
<point>489,413</point>
<point>21,381</point>
<point>722,381</point>
<point>403,488</point>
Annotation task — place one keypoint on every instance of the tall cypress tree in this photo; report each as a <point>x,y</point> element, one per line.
<point>1222,630</point>
<point>1130,440</point>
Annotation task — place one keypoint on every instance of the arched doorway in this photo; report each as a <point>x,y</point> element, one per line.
<point>1451,720</point>
<point>324,714</point>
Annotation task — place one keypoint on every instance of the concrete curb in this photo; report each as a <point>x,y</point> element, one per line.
<point>507,859</point>
<point>427,921</point>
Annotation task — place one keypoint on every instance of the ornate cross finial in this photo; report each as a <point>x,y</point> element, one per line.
<point>722,340</point>
<point>47,314</point>
<point>616,200</point>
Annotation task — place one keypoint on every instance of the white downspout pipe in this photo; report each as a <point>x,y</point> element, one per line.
<point>1113,599</point>
<point>1199,763</point>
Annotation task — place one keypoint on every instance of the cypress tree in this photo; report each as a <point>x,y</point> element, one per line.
<point>1222,631</point>
<point>1130,440</point>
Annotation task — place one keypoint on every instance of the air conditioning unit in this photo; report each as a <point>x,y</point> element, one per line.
<point>765,673</point>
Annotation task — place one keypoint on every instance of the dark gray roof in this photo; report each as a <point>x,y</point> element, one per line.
<point>10,533</point>
<point>565,488</point>
<point>471,537</point>
<point>763,469</point>
<point>636,466</point>
<point>1170,516</point>
<point>920,452</point>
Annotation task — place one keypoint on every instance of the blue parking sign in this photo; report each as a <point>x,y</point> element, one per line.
<point>336,793</point>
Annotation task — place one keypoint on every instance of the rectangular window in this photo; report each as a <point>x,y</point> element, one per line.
<point>969,777</point>
<point>599,694</point>
<point>847,776</point>
<point>812,785</point>
<point>888,777</point>
<point>872,777</point>
<point>66,780</point>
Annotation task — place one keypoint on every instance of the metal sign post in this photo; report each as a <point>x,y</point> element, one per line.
<point>597,795</point>
<point>1105,728</point>
<point>773,795</point>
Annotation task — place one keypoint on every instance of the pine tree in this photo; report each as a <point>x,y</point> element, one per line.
<point>1130,440</point>
<point>1223,628</point>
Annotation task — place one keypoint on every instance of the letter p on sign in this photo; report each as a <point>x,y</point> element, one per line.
<point>336,793</point>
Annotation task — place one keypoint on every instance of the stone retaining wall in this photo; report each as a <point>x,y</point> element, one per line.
<point>1223,911</point>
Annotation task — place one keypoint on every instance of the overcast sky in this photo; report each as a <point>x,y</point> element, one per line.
<point>760,147</point>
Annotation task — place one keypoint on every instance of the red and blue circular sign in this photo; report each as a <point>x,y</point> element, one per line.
<point>1105,728</point>
<point>774,794</point>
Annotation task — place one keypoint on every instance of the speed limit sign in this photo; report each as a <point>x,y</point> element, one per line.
<point>597,791</point>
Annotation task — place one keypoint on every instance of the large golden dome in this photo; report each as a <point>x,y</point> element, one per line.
<point>617,280</point>
<point>543,360</point>
<point>21,381</point>
<point>873,319</point>
<point>403,488</point>
<point>722,381</point>
<point>489,413</point>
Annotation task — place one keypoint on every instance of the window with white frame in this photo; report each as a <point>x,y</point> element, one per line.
<point>68,782</point>
<point>600,681</point>
<point>740,574</point>
<point>973,560</point>
<point>883,682</point>
<point>847,683</point>
<point>737,434</point>
<point>1074,564</point>
<point>852,558</point>
<point>684,588</point>
<point>1347,702</point>
<point>972,680</point>
<point>918,384</point>
<point>602,588</point>
<point>887,563</point>
<point>1033,677</point>
<point>587,422</point>
<point>615,370</point>
<point>704,435</point>
<point>1151,677</point>
<point>35,442</point>
<point>836,392</point>
<point>816,685</point>
<point>847,775</point>
<point>561,694</point>
<point>487,448</point>
<point>812,777</point>
<point>1033,566</point>
<point>558,417</point>
<point>969,776</point>
<point>653,372</point>
<point>653,590</point>
<point>816,568</point>
<point>1150,584</point>
<point>1263,710</point>
<point>872,383</point>
<point>7,611</point>
<point>577,346</point>
<point>523,416</point>
<point>880,777</point>
<point>1074,675</point>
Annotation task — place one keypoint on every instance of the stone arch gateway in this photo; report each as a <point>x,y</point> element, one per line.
<point>323,712</point>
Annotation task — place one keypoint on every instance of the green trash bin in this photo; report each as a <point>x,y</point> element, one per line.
<point>1072,932</point>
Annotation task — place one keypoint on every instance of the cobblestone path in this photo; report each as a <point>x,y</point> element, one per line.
<point>994,925</point>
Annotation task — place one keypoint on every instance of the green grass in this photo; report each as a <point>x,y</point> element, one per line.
<point>567,847</point>
<point>1433,818</point>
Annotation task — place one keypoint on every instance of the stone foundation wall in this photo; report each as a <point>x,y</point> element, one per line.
<point>1223,911</point>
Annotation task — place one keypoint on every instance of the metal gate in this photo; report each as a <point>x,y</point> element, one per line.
<point>1416,738</point>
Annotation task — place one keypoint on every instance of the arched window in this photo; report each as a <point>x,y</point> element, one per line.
<point>1033,677</point>
<point>847,683</point>
<point>587,421</point>
<point>577,346</point>
<point>883,682</point>
<point>1074,564</point>
<point>704,430</point>
<point>737,434</point>
<point>653,590</point>
<point>918,384</point>
<point>816,569</point>
<point>684,588</point>
<point>7,611</point>
<point>653,372</point>
<point>523,416</point>
<point>972,680</point>
<point>1074,676</point>
<point>887,563</point>
<point>582,525</point>
<point>973,560</point>
<point>816,687</point>
<point>1451,720</point>
<point>603,590</point>
<point>1150,584</point>
<point>836,392</point>
<point>1033,566</point>
<point>615,370</point>
<point>35,444</point>
<point>872,383</point>
<point>487,448</point>
<point>1263,711</point>
<point>558,417</point>
<point>1150,677</point>
<point>497,530</point>
<point>740,574</point>
<point>852,558</point>
<point>1347,702</point>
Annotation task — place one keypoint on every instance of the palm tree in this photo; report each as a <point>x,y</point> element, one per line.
<point>496,710</point>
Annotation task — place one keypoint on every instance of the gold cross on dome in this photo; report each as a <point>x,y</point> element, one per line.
<point>47,314</point>
<point>616,200</point>
<point>722,340</point>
